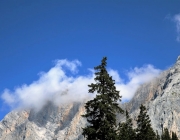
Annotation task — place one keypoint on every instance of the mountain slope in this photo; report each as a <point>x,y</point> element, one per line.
<point>50,123</point>
<point>161,97</point>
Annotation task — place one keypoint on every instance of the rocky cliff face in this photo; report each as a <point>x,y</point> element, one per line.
<point>161,97</point>
<point>50,123</point>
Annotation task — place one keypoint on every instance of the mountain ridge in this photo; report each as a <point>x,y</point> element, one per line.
<point>161,96</point>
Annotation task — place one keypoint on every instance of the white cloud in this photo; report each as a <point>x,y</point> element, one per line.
<point>115,75</point>
<point>53,85</point>
<point>136,76</point>
<point>57,87</point>
<point>177,21</point>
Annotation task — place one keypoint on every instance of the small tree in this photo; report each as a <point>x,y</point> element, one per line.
<point>174,136</point>
<point>101,111</point>
<point>157,136</point>
<point>125,130</point>
<point>165,135</point>
<point>144,130</point>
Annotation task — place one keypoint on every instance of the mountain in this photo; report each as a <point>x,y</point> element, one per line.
<point>50,123</point>
<point>161,96</point>
<point>162,99</point>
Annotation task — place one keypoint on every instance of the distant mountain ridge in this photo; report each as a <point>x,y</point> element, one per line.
<point>161,97</point>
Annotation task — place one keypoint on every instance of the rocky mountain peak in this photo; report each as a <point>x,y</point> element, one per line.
<point>161,96</point>
<point>178,60</point>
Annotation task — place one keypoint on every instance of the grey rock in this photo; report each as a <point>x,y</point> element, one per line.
<point>50,123</point>
<point>161,96</point>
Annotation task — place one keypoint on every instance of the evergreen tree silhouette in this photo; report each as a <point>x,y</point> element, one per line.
<point>101,111</point>
<point>144,130</point>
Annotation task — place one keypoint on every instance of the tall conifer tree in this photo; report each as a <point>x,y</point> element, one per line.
<point>144,129</point>
<point>101,111</point>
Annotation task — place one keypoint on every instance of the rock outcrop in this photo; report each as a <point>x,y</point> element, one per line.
<point>161,97</point>
<point>50,123</point>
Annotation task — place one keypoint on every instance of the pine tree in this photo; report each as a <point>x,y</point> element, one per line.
<point>157,136</point>
<point>101,111</point>
<point>144,130</point>
<point>174,136</point>
<point>165,135</point>
<point>125,130</point>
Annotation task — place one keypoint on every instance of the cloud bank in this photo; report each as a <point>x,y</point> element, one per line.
<point>57,87</point>
<point>177,21</point>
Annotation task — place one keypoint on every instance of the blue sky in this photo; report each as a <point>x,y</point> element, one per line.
<point>136,36</point>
